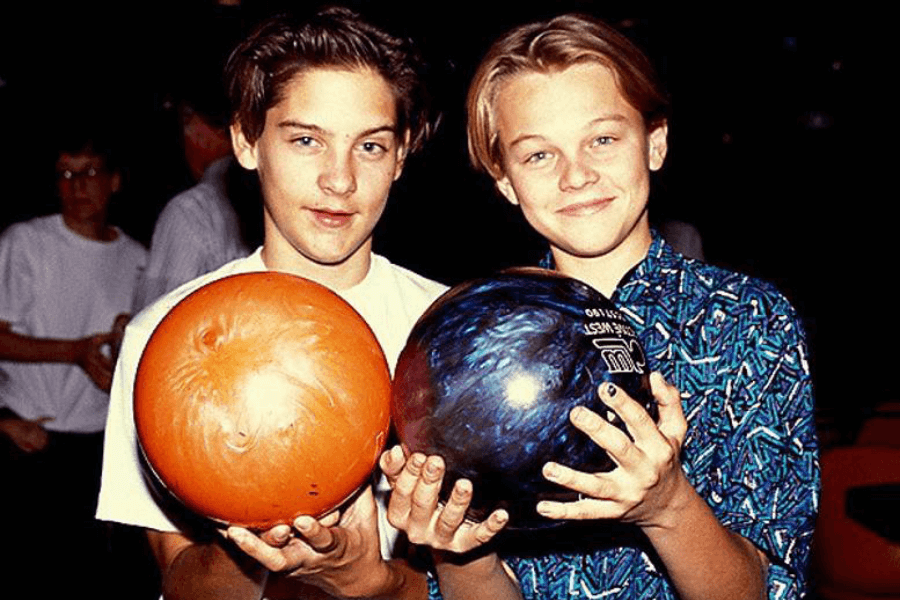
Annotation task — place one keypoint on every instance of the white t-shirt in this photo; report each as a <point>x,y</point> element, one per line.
<point>57,284</point>
<point>196,233</point>
<point>390,299</point>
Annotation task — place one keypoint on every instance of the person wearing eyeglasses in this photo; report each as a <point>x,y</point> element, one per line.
<point>64,279</point>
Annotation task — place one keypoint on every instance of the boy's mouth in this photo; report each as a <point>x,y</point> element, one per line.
<point>331,218</point>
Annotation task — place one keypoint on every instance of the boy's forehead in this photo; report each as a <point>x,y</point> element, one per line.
<point>582,88</point>
<point>79,159</point>
<point>326,91</point>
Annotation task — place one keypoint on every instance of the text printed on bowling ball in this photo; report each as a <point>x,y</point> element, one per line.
<point>490,374</point>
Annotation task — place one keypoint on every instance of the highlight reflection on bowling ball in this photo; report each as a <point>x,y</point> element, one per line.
<point>261,397</point>
<point>490,373</point>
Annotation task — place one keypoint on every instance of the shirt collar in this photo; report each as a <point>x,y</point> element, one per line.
<point>659,254</point>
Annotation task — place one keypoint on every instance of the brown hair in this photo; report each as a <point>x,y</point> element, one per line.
<point>263,64</point>
<point>554,45</point>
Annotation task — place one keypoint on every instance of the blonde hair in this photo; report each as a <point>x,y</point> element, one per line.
<point>555,45</point>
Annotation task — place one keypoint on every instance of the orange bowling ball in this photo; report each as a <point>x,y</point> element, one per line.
<point>262,397</point>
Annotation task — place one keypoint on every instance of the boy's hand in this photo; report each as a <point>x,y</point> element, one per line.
<point>29,436</point>
<point>340,553</point>
<point>414,505</point>
<point>93,355</point>
<point>648,485</point>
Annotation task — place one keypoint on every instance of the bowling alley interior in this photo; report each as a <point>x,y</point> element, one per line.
<point>771,169</point>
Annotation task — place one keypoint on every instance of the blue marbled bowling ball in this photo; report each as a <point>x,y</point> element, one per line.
<point>490,373</point>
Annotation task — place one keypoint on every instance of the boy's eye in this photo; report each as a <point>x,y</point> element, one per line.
<point>69,174</point>
<point>373,148</point>
<point>603,140</point>
<point>536,157</point>
<point>305,140</point>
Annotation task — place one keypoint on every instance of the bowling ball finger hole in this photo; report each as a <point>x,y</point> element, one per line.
<point>229,393</point>
<point>210,338</point>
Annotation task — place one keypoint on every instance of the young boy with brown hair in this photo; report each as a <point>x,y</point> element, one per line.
<point>325,110</point>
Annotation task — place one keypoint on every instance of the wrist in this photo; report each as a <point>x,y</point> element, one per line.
<point>485,577</point>
<point>387,581</point>
<point>6,417</point>
<point>679,510</point>
<point>8,421</point>
<point>482,565</point>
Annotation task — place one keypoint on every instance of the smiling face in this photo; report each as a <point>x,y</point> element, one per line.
<point>326,159</point>
<point>577,158</point>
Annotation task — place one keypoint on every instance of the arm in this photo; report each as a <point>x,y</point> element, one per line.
<point>704,559</point>
<point>193,571</point>
<point>339,554</point>
<point>414,508</point>
<point>86,352</point>
<point>487,577</point>
<point>29,436</point>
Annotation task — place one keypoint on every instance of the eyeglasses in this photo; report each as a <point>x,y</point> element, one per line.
<point>88,174</point>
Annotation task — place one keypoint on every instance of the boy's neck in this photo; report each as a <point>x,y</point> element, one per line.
<point>604,272</point>
<point>339,276</point>
<point>97,231</point>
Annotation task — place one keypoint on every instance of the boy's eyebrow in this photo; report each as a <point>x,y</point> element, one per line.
<point>291,124</point>
<point>524,138</point>
<point>615,117</point>
<point>387,127</point>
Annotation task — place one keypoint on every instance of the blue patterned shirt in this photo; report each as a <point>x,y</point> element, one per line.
<point>734,347</point>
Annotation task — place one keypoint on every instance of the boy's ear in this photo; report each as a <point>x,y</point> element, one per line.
<point>658,145</point>
<point>115,183</point>
<point>506,188</point>
<point>402,152</point>
<point>244,151</point>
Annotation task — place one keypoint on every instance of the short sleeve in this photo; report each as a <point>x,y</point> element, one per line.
<point>125,497</point>
<point>16,276</point>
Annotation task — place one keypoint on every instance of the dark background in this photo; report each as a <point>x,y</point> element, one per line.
<point>778,124</point>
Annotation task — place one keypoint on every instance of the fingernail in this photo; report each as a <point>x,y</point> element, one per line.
<point>281,535</point>
<point>578,414</point>
<point>582,417</point>
<point>551,471</point>
<point>432,469</point>
<point>543,509</point>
